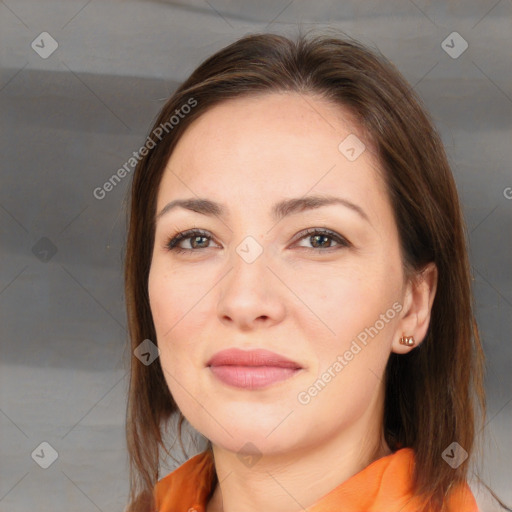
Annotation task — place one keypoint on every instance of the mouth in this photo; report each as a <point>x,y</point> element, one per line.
<point>251,369</point>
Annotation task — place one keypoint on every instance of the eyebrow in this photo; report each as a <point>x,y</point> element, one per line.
<point>279,210</point>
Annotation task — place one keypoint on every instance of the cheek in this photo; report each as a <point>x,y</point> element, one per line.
<point>175,316</point>
<point>166,313</point>
<point>169,304</point>
<point>358,312</point>
<point>348,300</point>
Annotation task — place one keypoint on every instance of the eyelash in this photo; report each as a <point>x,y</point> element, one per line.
<point>172,243</point>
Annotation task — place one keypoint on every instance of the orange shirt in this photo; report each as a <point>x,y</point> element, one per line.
<point>383,486</point>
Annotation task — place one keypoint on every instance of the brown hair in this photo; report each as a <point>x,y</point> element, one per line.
<point>433,393</point>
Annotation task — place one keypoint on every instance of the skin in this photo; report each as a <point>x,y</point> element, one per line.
<point>298,301</point>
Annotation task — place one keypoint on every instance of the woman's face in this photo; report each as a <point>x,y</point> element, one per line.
<point>255,278</point>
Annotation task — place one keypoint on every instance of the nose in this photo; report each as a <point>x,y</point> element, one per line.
<point>251,295</point>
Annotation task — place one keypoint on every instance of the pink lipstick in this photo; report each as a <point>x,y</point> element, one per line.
<point>251,369</point>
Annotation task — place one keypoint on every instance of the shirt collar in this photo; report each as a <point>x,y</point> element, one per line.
<point>384,485</point>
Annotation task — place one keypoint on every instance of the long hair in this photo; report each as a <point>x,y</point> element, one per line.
<point>434,394</point>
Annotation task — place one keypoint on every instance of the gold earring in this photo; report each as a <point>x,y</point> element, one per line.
<point>407,340</point>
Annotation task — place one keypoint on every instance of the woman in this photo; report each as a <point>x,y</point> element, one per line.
<point>297,252</point>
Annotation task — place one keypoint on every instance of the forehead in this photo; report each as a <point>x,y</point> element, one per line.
<point>270,146</point>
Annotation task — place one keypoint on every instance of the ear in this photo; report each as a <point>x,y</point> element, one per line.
<point>418,299</point>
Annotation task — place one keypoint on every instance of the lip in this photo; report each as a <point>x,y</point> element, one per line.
<point>251,369</point>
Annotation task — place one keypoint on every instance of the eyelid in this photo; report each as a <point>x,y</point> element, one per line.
<point>340,240</point>
<point>184,235</point>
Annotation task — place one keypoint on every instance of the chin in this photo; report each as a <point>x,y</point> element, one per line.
<point>252,443</point>
<point>264,435</point>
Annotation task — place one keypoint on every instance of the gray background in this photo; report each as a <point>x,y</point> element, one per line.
<point>70,120</point>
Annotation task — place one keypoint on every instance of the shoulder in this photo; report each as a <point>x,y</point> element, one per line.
<point>189,483</point>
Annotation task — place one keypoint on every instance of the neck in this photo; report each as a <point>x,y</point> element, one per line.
<point>295,480</point>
